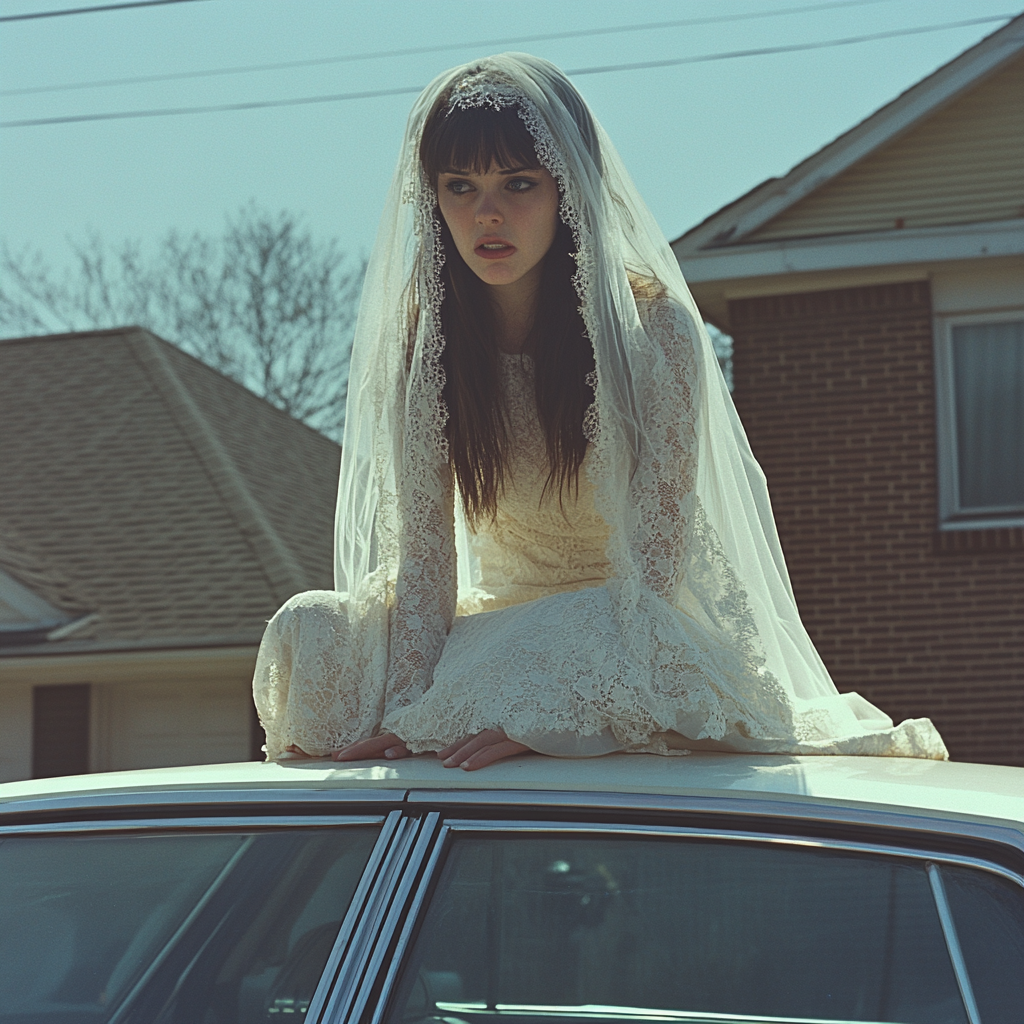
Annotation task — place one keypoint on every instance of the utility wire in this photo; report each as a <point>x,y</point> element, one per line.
<point>596,70</point>
<point>90,10</point>
<point>414,50</point>
<point>793,48</point>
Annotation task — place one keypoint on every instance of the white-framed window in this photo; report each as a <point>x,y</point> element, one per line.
<point>980,407</point>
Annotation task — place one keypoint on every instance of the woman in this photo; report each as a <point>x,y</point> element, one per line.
<point>551,532</point>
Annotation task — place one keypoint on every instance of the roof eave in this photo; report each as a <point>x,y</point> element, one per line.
<point>853,251</point>
<point>153,646</point>
<point>780,267</point>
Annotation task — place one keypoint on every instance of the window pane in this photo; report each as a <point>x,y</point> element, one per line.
<point>989,915</point>
<point>678,924</point>
<point>237,924</point>
<point>988,373</point>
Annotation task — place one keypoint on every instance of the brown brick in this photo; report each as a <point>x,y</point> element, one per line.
<point>835,390</point>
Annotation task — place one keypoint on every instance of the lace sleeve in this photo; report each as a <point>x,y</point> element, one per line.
<point>425,592</point>
<point>663,488</point>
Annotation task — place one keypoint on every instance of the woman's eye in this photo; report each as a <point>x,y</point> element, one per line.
<point>521,185</point>
<point>458,188</point>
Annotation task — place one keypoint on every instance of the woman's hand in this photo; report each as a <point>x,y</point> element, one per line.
<point>388,745</point>
<point>480,750</point>
<point>470,753</point>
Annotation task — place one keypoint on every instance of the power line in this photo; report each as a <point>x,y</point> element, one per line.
<point>90,10</point>
<point>415,50</point>
<point>597,70</point>
<point>792,48</point>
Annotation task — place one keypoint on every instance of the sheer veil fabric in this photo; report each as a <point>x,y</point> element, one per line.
<point>689,638</point>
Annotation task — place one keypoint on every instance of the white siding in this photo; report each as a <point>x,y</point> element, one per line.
<point>15,731</point>
<point>165,725</point>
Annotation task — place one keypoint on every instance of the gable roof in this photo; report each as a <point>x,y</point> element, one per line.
<point>962,164</point>
<point>153,496</point>
<point>773,197</point>
<point>934,174</point>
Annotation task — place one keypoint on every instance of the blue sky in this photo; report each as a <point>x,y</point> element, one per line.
<point>694,136</point>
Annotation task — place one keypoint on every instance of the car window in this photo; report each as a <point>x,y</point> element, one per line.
<point>582,927</point>
<point>194,927</point>
<point>989,915</point>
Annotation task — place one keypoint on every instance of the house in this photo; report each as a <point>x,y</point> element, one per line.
<point>875,297</point>
<point>153,515</point>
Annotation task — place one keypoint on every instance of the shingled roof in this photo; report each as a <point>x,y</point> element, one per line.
<point>150,499</point>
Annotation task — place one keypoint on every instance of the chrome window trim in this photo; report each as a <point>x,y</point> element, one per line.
<point>411,919</point>
<point>401,908</point>
<point>225,823</point>
<point>351,985</point>
<point>367,882</point>
<point>768,838</point>
<point>98,801</point>
<point>635,1014</point>
<point>1007,832</point>
<point>956,955</point>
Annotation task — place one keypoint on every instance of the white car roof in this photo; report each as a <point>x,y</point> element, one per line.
<point>925,789</point>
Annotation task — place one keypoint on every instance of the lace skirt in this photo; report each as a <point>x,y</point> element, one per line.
<point>562,674</point>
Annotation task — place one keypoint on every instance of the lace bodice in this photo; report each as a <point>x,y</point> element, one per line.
<point>537,543</point>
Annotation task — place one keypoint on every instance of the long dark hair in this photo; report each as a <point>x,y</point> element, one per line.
<point>471,139</point>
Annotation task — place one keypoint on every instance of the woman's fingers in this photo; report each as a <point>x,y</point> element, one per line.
<point>474,742</point>
<point>495,752</point>
<point>454,755</point>
<point>470,753</point>
<point>388,745</point>
<point>481,750</point>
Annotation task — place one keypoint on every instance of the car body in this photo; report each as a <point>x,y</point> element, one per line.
<point>709,887</point>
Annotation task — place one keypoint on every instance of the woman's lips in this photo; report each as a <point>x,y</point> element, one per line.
<point>494,249</point>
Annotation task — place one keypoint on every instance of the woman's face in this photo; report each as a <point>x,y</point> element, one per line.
<point>503,222</point>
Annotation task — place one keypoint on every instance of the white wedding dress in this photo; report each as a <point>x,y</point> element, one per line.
<point>539,648</point>
<point>652,610</point>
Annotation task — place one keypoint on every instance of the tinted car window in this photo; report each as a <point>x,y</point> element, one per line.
<point>202,927</point>
<point>565,921</point>
<point>988,912</point>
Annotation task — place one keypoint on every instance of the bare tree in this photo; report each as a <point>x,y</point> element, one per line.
<point>265,303</point>
<point>723,350</point>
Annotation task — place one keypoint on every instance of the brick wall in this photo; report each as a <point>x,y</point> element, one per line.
<point>836,392</point>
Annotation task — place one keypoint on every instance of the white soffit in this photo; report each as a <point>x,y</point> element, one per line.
<point>840,252</point>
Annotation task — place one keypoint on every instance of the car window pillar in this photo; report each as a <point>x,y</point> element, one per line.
<point>952,942</point>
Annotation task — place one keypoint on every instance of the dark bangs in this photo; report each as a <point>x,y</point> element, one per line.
<point>471,139</point>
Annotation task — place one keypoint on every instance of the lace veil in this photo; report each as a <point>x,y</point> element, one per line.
<point>716,556</point>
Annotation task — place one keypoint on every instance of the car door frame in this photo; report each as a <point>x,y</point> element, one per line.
<point>360,974</point>
<point>928,840</point>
